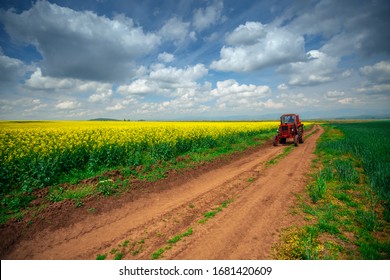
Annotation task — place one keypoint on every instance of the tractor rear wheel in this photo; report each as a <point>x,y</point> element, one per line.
<point>300,136</point>
<point>296,140</point>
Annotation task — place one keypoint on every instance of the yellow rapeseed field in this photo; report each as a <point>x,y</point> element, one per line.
<point>23,139</point>
<point>36,154</point>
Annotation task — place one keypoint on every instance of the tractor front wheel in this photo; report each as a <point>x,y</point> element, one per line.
<point>296,140</point>
<point>275,142</point>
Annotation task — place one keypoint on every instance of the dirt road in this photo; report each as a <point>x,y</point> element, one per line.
<point>248,203</point>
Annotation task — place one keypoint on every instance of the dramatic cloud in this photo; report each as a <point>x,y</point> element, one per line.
<point>255,46</point>
<point>378,73</point>
<point>11,69</point>
<point>376,78</point>
<point>39,82</point>
<point>349,25</point>
<point>80,45</point>
<point>317,69</point>
<point>193,59</point>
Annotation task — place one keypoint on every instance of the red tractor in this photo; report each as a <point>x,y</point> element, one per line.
<point>290,127</point>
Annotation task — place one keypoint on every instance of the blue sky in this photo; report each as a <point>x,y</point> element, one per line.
<point>184,59</point>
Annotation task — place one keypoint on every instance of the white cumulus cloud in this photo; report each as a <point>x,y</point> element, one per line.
<point>255,46</point>
<point>166,57</point>
<point>231,94</point>
<point>165,80</point>
<point>179,75</point>
<point>100,97</point>
<point>233,88</point>
<point>347,100</point>
<point>317,69</point>
<point>68,104</point>
<point>116,107</point>
<point>206,17</point>
<point>176,30</point>
<point>139,86</point>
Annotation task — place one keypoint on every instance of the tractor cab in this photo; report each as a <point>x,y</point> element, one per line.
<point>290,128</point>
<point>288,119</point>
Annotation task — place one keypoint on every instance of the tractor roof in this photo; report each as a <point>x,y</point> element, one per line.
<point>290,115</point>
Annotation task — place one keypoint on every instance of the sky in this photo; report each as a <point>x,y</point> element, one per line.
<point>193,60</point>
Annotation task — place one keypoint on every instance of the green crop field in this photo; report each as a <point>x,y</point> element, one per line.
<point>347,204</point>
<point>367,142</point>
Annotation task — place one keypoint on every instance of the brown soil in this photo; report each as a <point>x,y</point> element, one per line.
<point>141,221</point>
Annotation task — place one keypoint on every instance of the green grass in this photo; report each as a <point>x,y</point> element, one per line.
<point>366,141</point>
<point>133,248</point>
<point>210,214</point>
<point>58,193</point>
<point>250,180</point>
<point>285,152</point>
<point>348,198</point>
<point>123,249</point>
<point>157,254</point>
<point>317,189</point>
<point>101,257</point>
<point>180,236</point>
<point>118,256</point>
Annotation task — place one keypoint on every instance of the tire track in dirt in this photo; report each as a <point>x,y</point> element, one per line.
<point>157,216</point>
<point>248,227</point>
